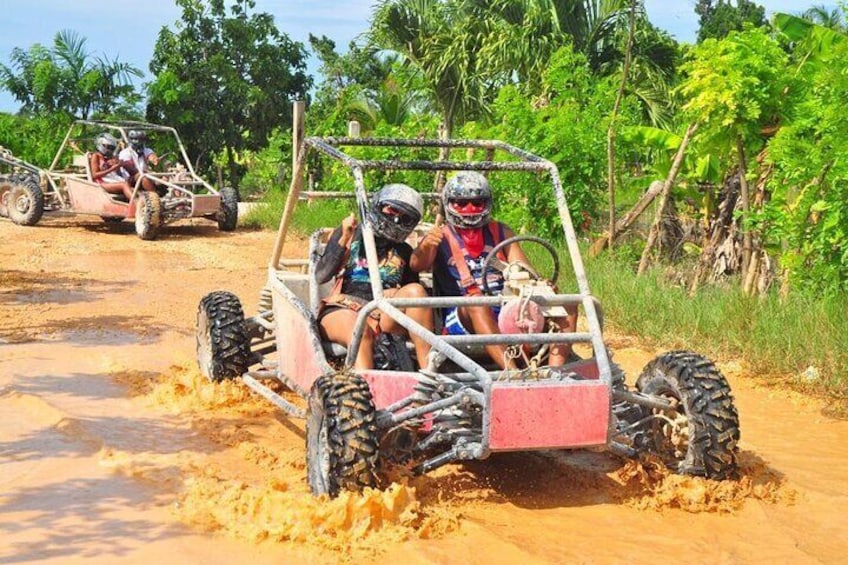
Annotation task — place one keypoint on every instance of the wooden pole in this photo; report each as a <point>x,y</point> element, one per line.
<point>298,113</point>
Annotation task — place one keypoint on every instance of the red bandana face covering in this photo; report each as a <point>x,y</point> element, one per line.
<point>473,240</point>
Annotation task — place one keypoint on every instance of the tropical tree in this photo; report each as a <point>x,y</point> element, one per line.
<point>225,81</point>
<point>70,80</point>
<point>733,88</point>
<point>717,18</point>
<point>829,18</point>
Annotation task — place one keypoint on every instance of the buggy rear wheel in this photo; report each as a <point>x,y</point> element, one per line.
<point>148,215</point>
<point>22,200</point>
<point>342,447</point>
<point>223,347</point>
<point>227,216</point>
<point>700,436</point>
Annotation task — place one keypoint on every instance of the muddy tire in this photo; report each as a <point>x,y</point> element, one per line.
<point>342,447</point>
<point>23,200</point>
<point>148,215</point>
<point>701,436</point>
<point>223,347</point>
<point>227,216</point>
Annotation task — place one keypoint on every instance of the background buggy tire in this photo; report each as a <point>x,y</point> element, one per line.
<point>148,215</point>
<point>342,447</point>
<point>227,216</point>
<point>23,200</point>
<point>223,348</point>
<point>707,421</point>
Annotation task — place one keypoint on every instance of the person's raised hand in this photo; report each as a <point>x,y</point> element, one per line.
<point>435,235</point>
<point>349,226</point>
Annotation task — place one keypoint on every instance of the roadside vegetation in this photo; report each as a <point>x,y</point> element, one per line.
<point>707,181</point>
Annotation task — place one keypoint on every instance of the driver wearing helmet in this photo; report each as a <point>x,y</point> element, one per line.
<point>137,159</point>
<point>456,253</point>
<point>394,212</point>
<point>106,167</point>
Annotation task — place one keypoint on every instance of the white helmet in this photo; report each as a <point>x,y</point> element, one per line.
<point>403,200</point>
<point>106,144</point>
<point>467,200</point>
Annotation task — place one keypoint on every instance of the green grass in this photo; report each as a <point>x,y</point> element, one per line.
<point>307,218</point>
<point>773,335</point>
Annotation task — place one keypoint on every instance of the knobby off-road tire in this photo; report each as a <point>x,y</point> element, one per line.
<point>148,215</point>
<point>227,216</point>
<point>342,447</point>
<point>223,347</point>
<point>22,199</point>
<point>703,438</point>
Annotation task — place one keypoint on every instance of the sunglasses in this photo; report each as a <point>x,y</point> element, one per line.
<point>399,217</point>
<point>474,203</point>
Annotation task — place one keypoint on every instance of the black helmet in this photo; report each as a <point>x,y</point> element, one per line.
<point>467,199</point>
<point>106,144</point>
<point>403,200</point>
<point>137,139</point>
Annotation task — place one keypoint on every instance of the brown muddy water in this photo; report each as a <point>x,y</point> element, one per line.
<point>113,449</point>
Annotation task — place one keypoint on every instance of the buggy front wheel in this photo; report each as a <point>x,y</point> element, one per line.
<point>148,215</point>
<point>700,436</point>
<point>227,215</point>
<point>223,347</point>
<point>23,201</point>
<point>342,447</point>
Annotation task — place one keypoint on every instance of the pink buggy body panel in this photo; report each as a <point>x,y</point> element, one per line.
<point>548,415</point>
<point>90,198</point>
<point>205,204</point>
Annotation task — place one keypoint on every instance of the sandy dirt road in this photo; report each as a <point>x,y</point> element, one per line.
<point>114,450</point>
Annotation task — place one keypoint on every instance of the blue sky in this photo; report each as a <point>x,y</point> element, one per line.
<point>128,30</point>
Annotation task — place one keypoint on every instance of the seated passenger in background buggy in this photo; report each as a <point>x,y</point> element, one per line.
<point>137,160</point>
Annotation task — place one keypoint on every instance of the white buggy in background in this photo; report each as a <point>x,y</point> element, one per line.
<point>181,194</point>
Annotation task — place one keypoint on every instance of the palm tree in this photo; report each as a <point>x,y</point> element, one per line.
<point>820,15</point>
<point>67,78</point>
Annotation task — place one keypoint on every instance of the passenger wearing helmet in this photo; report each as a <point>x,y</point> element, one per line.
<point>105,166</point>
<point>456,253</point>
<point>137,160</point>
<point>393,213</point>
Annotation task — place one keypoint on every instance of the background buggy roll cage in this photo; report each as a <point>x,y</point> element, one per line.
<point>526,161</point>
<point>121,126</point>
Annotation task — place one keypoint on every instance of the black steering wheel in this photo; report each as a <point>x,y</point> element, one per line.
<point>493,261</point>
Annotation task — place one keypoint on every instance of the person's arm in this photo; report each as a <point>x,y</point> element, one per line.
<point>514,253</point>
<point>151,157</point>
<point>425,254</point>
<point>336,249</point>
<point>127,162</point>
<point>96,168</point>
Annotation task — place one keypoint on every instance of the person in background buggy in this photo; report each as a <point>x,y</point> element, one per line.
<point>394,212</point>
<point>106,167</point>
<point>456,253</point>
<point>137,160</point>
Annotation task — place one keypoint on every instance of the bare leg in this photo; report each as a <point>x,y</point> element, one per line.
<point>560,352</point>
<point>482,320</point>
<point>338,326</point>
<point>118,188</point>
<point>422,315</point>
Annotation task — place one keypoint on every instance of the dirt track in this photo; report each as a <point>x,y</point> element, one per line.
<point>112,449</point>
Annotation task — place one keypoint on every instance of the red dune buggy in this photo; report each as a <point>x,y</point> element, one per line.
<point>460,406</point>
<point>180,193</point>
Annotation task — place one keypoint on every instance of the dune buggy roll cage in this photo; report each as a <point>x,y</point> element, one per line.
<point>445,345</point>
